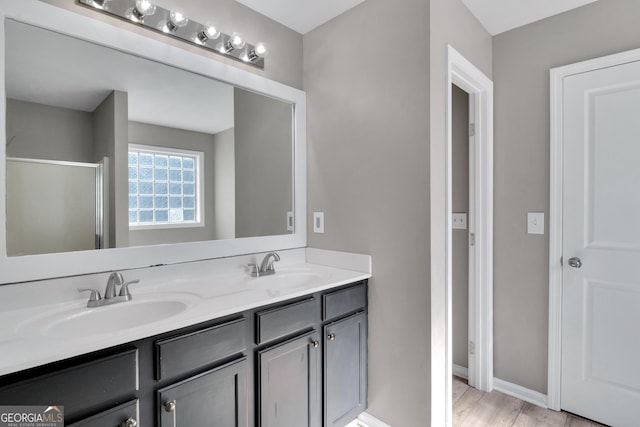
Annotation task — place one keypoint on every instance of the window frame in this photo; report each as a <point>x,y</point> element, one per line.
<point>199,222</point>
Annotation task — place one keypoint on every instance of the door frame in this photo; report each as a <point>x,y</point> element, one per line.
<point>557,76</point>
<point>468,77</point>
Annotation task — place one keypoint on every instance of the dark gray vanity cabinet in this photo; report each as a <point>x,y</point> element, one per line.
<point>345,368</point>
<point>289,383</point>
<point>213,398</point>
<point>296,363</point>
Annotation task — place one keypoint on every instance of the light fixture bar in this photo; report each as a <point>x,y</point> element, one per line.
<point>146,14</point>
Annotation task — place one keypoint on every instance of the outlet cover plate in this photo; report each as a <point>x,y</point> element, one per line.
<point>290,226</point>
<point>318,222</point>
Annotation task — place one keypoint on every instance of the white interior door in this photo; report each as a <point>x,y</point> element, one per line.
<point>601,245</point>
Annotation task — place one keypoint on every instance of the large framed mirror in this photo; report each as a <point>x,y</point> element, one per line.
<point>123,152</point>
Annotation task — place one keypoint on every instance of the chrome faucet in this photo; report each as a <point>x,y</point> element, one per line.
<point>115,279</point>
<point>266,267</point>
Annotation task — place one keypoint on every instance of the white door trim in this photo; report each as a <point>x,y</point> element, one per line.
<point>468,77</point>
<point>557,76</point>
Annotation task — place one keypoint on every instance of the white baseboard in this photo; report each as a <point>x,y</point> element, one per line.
<point>519,392</point>
<point>460,371</point>
<point>367,420</point>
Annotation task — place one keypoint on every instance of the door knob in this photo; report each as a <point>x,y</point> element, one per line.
<point>575,262</point>
<point>331,336</point>
<point>131,422</point>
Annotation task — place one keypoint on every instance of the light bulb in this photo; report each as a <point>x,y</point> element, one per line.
<point>260,50</point>
<point>145,7</point>
<point>176,20</point>
<point>209,32</point>
<point>142,8</point>
<point>212,32</point>
<point>237,41</point>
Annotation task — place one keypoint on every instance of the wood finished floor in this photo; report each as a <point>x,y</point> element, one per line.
<point>474,408</point>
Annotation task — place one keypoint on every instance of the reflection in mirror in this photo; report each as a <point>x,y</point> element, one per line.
<point>106,149</point>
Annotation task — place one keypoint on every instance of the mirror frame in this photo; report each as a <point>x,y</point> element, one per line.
<point>36,267</point>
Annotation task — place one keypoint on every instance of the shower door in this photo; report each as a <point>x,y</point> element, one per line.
<point>53,206</point>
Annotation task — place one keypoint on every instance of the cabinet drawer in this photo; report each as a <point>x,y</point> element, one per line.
<point>344,301</point>
<point>114,417</point>
<point>281,321</point>
<point>188,353</point>
<point>84,389</point>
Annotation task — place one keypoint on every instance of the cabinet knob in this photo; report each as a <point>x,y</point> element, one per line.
<point>170,406</point>
<point>331,336</point>
<point>129,423</point>
<point>315,344</point>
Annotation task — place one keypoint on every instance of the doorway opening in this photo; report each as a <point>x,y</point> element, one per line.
<point>479,89</point>
<point>462,248</point>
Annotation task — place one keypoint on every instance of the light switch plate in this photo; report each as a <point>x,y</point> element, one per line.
<point>318,222</point>
<point>535,222</point>
<point>459,221</point>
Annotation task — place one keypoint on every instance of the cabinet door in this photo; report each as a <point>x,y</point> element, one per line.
<point>289,383</point>
<point>216,398</point>
<point>345,370</point>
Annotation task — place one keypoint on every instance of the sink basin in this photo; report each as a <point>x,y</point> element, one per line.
<point>78,320</point>
<point>286,279</point>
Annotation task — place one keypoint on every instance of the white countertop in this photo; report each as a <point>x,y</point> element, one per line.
<point>210,289</point>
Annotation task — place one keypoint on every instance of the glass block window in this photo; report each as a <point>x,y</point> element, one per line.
<point>164,187</point>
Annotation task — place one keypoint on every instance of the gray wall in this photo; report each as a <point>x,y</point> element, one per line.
<point>38,131</point>
<point>110,139</point>
<point>284,63</point>
<point>224,182</point>
<point>368,171</point>
<point>460,247</point>
<point>263,149</point>
<point>161,136</point>
<point>522,59</point>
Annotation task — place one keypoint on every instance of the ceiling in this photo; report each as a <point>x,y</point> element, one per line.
<point>301,15</point>
<point>498,16</point>
<point>52,69</point>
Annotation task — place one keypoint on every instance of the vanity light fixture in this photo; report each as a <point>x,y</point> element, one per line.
<point>176,24</point>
